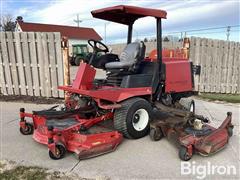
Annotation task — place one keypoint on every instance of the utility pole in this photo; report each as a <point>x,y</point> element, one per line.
<point>105,32</point>
<point>136,33</point>
<point>185,34</point>
<point>78,21</point>
<point>228,32</point>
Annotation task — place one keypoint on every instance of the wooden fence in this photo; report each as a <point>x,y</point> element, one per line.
<point>220,65</point>
<point>31,64</point>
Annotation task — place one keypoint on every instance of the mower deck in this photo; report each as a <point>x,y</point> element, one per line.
<point>71,133</point>
<point>205,141</point>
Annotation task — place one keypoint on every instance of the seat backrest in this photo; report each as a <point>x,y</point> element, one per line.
<point>133,53</point>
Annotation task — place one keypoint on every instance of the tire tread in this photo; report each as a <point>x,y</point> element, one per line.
<point>121,114</point>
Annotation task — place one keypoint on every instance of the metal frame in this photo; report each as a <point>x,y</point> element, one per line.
<point>130,29</point>
<point>159,43</point>
<point>159,39</point>
<point>158,71</point>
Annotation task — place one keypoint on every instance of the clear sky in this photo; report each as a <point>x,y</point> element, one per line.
<point>182,15</point>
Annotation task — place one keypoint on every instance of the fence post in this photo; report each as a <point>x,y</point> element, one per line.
<point>186,46</point>
<point>66,67</point>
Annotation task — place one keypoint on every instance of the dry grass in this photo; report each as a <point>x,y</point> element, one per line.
<point>12,171</point>
<point>231,98</point>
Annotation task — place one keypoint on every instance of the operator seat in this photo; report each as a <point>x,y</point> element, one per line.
<point>129,59</point>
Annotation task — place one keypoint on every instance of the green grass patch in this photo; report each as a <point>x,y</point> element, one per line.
<point>10,171</point>
<point>2,166</point>
<point>22,172</point>
<point>231,98</point>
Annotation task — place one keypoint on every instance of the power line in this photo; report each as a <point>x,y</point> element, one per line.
<point>228,30</point>
<point>203,29</point>
<point>213,32</point>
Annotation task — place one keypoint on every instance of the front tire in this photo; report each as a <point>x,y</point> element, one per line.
<point>133,118</point>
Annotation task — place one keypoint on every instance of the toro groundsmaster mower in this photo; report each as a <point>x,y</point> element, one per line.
<point>134,86</point>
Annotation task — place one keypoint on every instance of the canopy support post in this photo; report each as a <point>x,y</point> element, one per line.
<point>129,38</point>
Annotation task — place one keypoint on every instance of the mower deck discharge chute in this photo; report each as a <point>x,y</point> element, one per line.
<point>134,85</point>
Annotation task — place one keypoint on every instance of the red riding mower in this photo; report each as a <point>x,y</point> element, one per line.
<point>133,86</point>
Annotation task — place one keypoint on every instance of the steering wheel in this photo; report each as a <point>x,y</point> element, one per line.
<point>95,45</point>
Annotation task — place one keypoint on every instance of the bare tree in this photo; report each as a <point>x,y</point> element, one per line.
<point>7,23</point>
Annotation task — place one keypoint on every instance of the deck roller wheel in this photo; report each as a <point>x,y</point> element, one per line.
<point>230,131</point>
<point>133,118</point>
<point>192,106</point>
<point>183,154</point>
<point>188,104</point>
<point>155,134</point>
<point>27,130</point>
<point>60,152</point>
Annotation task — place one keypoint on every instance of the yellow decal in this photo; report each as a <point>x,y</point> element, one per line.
<point>96,143</point>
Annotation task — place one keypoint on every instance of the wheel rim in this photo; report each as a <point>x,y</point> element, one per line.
<point>191,107</point>
<point>58,153</point>
<point>140,119</point>
<point>26,130</point>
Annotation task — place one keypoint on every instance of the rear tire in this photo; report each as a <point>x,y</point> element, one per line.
<point>133,118</point>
